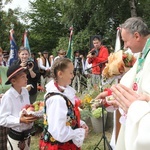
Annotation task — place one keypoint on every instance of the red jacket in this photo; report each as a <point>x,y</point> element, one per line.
<point>102,57</point>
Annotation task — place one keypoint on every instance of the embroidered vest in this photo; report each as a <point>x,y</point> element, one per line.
<point>71,119</point>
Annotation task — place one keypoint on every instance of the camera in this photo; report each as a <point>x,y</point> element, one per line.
<point>29,64</point>
<point>79,58</point>
<point>94,52</point>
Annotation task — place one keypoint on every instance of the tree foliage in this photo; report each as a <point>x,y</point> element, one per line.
<point>45,27</point>
<point>49,21</point>
<point>10,20</point>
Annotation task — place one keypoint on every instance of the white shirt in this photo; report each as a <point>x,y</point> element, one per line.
<point>57,116</point>
<point>11,105</point>
<point>87,66</point>
<point>41,66</point>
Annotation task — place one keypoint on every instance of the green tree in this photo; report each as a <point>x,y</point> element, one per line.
<point>45,27</point>
<point>48,22</point>
<point>10,20</point>
<point>99,17</point>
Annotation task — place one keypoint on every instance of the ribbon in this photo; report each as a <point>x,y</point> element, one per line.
<point>76,109</point>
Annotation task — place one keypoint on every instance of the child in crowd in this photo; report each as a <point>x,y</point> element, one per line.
<point>12,102</point>
<point>63,128</point>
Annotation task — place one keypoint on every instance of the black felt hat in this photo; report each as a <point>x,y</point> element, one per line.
<point>13,71</point>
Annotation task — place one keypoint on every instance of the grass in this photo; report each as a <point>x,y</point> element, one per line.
<point>89,143</point>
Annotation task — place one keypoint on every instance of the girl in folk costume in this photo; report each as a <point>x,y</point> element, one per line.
<point>63,128</point>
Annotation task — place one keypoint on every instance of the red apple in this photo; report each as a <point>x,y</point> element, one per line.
<point>26,106</point>
<point>31,108</point>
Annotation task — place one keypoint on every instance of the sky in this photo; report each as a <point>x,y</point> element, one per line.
<point>23,4</point>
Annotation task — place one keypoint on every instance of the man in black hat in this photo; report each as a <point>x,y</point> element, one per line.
<point>5,59</point>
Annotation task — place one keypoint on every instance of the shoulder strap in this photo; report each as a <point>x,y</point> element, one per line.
<point>68,102</point>
<point>53,93</point>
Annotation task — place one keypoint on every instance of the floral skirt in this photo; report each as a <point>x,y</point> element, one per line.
<point>48,146</point>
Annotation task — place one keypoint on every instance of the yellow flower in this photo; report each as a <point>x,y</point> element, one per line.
<point>45,122</point>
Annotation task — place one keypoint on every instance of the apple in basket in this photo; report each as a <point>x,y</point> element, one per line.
<point>38,105</point>
<point>41,105</point>
<point>30,108</point>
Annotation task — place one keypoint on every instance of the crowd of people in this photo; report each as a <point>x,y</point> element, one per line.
<point>63,127</point>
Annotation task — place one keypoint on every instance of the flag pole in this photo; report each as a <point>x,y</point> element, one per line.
<point>26,41</point>
<point>70,47</point>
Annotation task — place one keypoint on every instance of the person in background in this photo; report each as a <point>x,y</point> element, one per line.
<point>51,59</point>
<point>61,54</point>
<point>65,129</point>
<point>11,104</point>
<point>5,60</point>
<point>131,95</point>
<point>38,58</point>
<point>33,74</point>
<point>33,57</point>
<point>88,74</point>
<point>3,130</point>
<point>99,54</point>
<point>45,68</point>
<point>1,57</point>
<point>78,62</point>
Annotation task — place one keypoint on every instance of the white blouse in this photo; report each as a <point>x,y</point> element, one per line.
<point>57,116</point>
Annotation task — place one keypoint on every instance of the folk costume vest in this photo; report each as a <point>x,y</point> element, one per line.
<point>43,72</point>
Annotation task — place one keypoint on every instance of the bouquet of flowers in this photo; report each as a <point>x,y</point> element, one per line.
<point>128,59</point>
<point>118,63</point>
